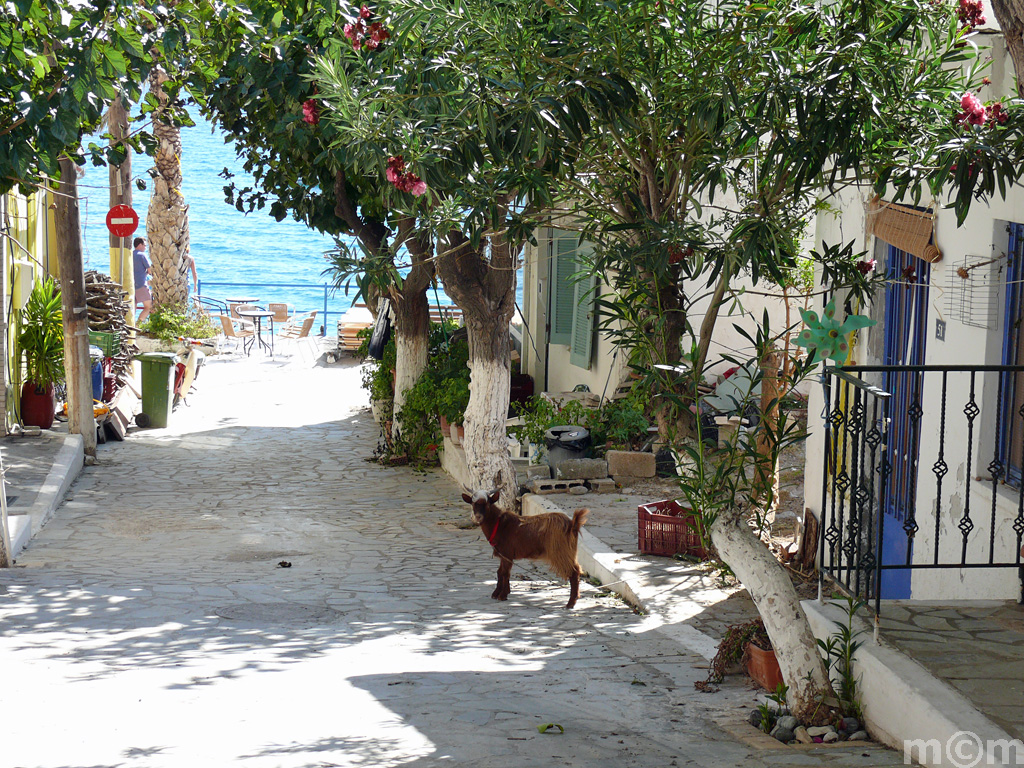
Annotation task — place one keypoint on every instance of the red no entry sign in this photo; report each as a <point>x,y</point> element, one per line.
<point>122,220</point>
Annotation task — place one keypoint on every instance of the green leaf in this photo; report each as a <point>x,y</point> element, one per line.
<point>549,728</point>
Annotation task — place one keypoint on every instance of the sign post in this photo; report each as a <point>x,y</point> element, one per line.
<point>122,221</point>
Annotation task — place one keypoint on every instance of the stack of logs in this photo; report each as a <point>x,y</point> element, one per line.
<point>108,312</point>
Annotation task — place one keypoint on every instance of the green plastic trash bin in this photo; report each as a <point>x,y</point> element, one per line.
<point>157,385</point>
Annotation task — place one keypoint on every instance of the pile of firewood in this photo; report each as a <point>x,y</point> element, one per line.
<point>108,312</point>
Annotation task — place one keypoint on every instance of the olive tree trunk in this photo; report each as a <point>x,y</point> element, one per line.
<point>412,311</point>
<point>483,284</point>
<point>412,316</point>
<point>779,606</point>
<point>167,219</point>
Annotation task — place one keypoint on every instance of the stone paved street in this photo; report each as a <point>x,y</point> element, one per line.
<point>151,624</point>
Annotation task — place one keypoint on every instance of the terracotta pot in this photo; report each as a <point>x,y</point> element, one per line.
<point>460,432</point>
<point>37,405</point>
<point>446,428</point>
<point>763,667</point>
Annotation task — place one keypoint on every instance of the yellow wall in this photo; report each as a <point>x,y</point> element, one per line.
<point>29,253</point>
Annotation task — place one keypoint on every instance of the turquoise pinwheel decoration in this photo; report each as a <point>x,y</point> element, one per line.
<point>826,338</point>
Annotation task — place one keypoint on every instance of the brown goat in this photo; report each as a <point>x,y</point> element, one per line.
<point>550,537</point>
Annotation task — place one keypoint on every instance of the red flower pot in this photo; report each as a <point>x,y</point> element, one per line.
<point>762,666</point>
<point>37,405</point>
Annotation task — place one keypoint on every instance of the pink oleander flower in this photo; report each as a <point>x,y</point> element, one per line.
<point>378,33</point>
<point>866,267</point>
<point>311,111</point>
<point>998,112</point>
<point>971,13</point>
<point>419,188</point>
<point>365,13</point>
<point>974,111</point>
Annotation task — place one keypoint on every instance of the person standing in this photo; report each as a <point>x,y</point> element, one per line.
<point>141,268</point>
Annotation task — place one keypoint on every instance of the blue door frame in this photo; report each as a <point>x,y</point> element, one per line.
<point>1012,400</point>
<point>906,318</point>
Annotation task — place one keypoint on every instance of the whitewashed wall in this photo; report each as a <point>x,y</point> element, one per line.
<point>983,236</point>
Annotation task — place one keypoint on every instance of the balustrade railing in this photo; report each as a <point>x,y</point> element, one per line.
<point>922,471</point>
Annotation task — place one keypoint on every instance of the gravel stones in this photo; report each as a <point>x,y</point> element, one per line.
<point>782,734</point>
<point>788,722</point>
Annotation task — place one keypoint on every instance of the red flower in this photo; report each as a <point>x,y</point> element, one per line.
<point>866,267</point>
<point>365,13</point>
<point>311,111</point>
<point>998,113</point>
<point>971,13</point>
<point>404,181</point>
<point>974,112</point>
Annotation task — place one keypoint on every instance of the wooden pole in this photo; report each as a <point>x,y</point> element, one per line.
<point>5,531</point>
<point>120,177</point>
<point>72,297</point>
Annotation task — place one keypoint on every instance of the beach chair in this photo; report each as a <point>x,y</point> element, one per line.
<point>208,307</point>
<point>280,312</point>
<point>298,327</point>
<point>230,332</point>
<point>356,319</point>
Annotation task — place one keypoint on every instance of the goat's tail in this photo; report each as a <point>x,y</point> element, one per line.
<point>579,517</point>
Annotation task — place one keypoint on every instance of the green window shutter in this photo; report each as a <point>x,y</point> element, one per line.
<point>583,323</point>
<point>563,295</point>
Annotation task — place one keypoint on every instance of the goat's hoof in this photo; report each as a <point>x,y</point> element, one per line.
<point>570,605</point>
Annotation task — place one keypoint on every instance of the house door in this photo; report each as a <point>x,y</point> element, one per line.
<point>906,317</point>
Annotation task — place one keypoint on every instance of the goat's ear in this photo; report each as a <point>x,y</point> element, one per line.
<point>494,495</point>
<point>467,498</point>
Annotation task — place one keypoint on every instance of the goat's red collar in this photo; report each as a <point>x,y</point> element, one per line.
<point>494,533</point>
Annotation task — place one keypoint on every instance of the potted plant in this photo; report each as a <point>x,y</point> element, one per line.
<point>745,644</point>
<point>759,659</point>
<point>40,336</point>
<point>167,325</point>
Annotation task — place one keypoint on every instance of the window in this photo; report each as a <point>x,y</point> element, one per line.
<point>1011,394</point>
<point>572,300</point>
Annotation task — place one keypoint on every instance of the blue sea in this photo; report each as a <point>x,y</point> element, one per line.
<point>255,254</point>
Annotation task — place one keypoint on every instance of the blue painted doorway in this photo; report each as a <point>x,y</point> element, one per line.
<point>906,325</point>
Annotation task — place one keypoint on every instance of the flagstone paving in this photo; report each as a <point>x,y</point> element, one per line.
<point>244,588</point>
<point>976,647</point>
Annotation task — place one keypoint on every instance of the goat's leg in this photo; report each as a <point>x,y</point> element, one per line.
<point>504,587</point>
<point>574,588</point>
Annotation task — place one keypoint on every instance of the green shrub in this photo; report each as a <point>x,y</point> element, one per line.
<point>616,424</point>
<point>171,322</point>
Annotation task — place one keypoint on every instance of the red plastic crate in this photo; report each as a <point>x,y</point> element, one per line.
<point>668,528</point>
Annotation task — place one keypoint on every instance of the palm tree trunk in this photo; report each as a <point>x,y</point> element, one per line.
<point>167,220</point>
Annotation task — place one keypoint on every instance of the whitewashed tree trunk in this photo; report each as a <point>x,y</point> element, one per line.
<point>483,284</point>
<point>410,361</point>
<point>779,606</point>
<point>490,464</point>
<point>412,315</point>
<point>167,219</point>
